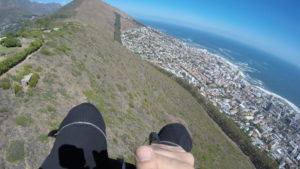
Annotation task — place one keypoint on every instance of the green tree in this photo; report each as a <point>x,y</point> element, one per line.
<point>11,42</point>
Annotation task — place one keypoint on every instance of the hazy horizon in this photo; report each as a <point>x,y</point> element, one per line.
<point>272,26</point>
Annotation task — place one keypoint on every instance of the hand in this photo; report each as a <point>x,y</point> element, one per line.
<point>158,156</point>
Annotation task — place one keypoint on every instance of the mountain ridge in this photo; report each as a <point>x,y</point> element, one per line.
<point>82,62</point>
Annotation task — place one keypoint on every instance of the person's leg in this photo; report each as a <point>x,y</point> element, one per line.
<point>80,141</point>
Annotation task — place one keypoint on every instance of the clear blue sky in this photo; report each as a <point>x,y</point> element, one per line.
<point>271,25</point>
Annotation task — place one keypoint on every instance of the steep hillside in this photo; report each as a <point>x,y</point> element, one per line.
<point>83,61</point>
<point>14,12</point>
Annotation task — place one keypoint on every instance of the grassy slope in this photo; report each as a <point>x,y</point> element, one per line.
<point>4,50</point>
<point>135,98</point>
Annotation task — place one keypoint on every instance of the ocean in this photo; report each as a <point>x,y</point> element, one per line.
<point>261,68</point>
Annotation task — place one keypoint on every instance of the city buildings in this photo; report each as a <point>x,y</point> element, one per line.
<point>272,123</point>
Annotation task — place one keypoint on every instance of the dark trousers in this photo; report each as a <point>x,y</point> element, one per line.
<point>81,141</point>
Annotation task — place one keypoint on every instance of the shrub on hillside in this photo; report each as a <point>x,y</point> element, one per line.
<point>34,80</point>
<point>24,121</point>
<point>38,69</point>
<point>47,52</point>
<point>17,89</point>
<point>31,33</point>
<point>5,84</point>
<point>10,62</point>
<point>11,42</point>
<point>13,34</point>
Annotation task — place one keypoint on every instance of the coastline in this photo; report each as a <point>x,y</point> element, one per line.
<point>195,46</point>
<point>296,109</point>
<point>292,105</point>
<point>262,69</point>
<point>271,121</point>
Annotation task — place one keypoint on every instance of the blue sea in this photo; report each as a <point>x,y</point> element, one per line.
<point>261,68</point>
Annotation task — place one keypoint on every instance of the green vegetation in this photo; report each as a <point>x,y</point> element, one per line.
<point>258,158</point>
<point>15,151</point>
<point>54,124</point>
<point>17,89</point>
<point>5,50</point>
<point>30,92</point>
<point>27,67</point>
<point>11,42</point>
<point>24,121</point>
<point>43,138</point>
<point>121,88</point>
<point>50,78</point>
<point>3,110</point>
<point>47,52</point>
<point>48,109</point>
<point>13,34</point>
<point>34,80</point>
<point>46,22</point>
<point>81,66</point>
<point>38,69</point>
<point>51,109</point>
<point>62,48</point>
<point>10,62</point>
<point>31,33</point>
<point>131,104</point>
<point>49,95</point>
<point>92,96</point>
<point>75,72</point>
<point>26,70</point>
<point>5,84</point>
<point>147,111</point>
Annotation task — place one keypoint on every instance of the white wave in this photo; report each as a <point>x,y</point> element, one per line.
<point>186,40</point>
<point>192,44</point>
<point>296,109</point>
<point>254,82</point>
<point>244,67</point>
<point>225,50</point>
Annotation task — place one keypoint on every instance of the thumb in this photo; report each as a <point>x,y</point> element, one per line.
<point>145,158</point>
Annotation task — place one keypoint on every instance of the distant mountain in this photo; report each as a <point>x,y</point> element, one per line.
<point>14,12</point>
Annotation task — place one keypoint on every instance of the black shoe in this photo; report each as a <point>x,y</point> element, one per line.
<point>173,135</point>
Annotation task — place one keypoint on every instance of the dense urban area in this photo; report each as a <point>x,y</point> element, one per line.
<point>271,122</point>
